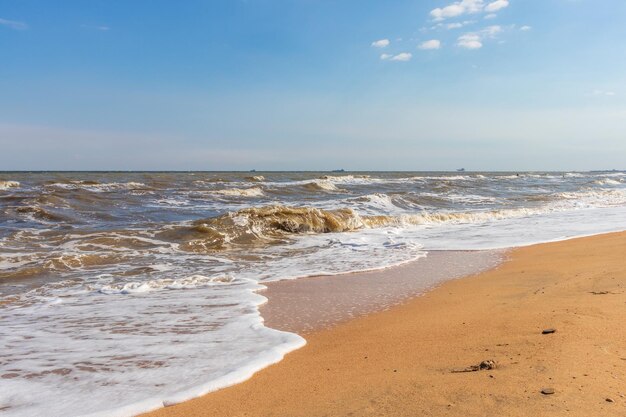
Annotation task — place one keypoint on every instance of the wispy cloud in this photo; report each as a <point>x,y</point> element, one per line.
<point>470,41</point>
<point>453,25</point>
<point>525,28</point>
<point>401,57</point>
<point>13,24</point>
<point>496,5</point>
<point>102,28</point>
<point>603,93</point>
<point>492,31</point>
<point>382,43</point>
<point>430,44</point>
<point>474,40</point>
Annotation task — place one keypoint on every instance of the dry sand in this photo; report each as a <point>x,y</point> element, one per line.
<point>399,362</point>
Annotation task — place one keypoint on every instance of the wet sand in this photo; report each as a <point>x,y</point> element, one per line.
<point>402,362</point>
<point>307,305</point>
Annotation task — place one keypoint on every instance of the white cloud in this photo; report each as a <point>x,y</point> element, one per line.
<point>461,7</point>
<point>525,28</point>
<point>430,44</point>
<point>469,41</point>
<point>446,12</point>
<point>457,8</point>
<point>101,28</point>
<point>13,24</point>
<point>603,93</point>
<point>382,43</point>
<point>454,25</point>
<point>402,57</point>
<point>496,5</point>
<point>474,40</point>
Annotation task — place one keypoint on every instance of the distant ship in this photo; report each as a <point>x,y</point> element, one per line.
<point>460,170</point>
<point>338,170</point>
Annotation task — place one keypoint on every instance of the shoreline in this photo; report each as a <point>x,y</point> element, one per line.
<point>320,302</point>
<point>330,377</point>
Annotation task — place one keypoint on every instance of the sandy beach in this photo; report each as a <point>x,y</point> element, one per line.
<point>407,361</point>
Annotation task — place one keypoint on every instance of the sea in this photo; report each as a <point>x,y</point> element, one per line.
<point>122,292</point>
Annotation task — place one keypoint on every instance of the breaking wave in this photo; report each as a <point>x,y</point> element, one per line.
<point>96,186</point>
<point>321,185</point>
<point>5,185</point>
<point>345,178</point>
<point>277,223</point>
<point>607,181</point>
<point>40,213</point>
<point>240,192</point>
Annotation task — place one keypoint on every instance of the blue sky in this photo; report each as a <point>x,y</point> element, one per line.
<point>313,84</point>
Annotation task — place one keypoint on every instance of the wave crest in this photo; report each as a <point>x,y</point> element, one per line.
<point>261,224</point>
<point>5,185</point>
<point>96,186</point>
<point>607,181</point>
<point>321,185</point>
<point>240,192</point>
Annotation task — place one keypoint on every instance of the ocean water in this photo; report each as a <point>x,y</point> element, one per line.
<point>142,287</point>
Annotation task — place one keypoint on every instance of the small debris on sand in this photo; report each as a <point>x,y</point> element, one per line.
<point>483,366</point>
<point>547,391</point>
<point>548,331</point>
<point>609,400</point>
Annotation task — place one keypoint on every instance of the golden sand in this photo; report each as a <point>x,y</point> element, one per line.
<point>400,362</point>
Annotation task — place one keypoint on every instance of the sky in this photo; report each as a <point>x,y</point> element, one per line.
<point>504,85</point>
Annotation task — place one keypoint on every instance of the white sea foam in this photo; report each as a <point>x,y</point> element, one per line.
<point>104,187</point>
<point>240,192</point>
<point>590,199</point>
<point>172,202</point>
<point>136,362</point>
<point>375,204</point>
<point>324,185</point>
<point>314,184</point>
<point>449,178</point>
<point>621,174</point>
<point>192,282</point>
<point>346,178</point>
<point>5,185</point>
<point>607,181</point>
